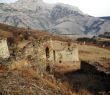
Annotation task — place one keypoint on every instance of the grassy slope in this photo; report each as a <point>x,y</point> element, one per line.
<point>26,81</point>
<point>10,31</point>
<point>95,54</point>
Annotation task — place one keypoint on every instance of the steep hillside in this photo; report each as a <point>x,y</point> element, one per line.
<point>26,81</point>
<point>18,75</point>
<point>58,18</point>
<point>8,31</point>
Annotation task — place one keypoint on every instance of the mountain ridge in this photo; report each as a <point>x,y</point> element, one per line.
<point>56,18</point>
<point>106,17</point>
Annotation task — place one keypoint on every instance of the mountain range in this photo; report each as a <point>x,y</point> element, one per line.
<point>56,18</point>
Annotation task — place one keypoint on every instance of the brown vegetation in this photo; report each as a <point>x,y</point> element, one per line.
<point>27,33</point>
<point>94,54</point>
<point>24,79</point>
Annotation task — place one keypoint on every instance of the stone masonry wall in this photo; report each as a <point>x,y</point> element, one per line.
<point>45,52</point>
<point>4,51</point>
<point>66,55</point>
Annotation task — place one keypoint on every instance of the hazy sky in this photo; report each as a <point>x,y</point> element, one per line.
<point>91,7</point>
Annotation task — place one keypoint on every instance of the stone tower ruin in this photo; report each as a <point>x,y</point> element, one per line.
<point>4,51</point>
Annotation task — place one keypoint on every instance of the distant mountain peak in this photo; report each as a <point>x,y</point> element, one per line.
<point>57,18</point>
<point>61,10</point>
<point>28,4</point>
<point>26,1</point>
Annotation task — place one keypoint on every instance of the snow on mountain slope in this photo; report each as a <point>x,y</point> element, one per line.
<point>28,4</point>
<point>24,17</point>
<point>62,10</point>
<point>58,18</point>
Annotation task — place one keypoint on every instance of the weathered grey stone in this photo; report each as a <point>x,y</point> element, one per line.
<point>4,51</point>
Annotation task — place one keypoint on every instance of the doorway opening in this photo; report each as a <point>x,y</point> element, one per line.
<point>47,52</point>
<point>54,55</point>
<point>48,69</point>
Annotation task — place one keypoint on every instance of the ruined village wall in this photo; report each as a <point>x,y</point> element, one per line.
<point>65,51</point>
<point>4,51</point>
<point>42,50</point>
<point>67,55</point>
<point>35,53</point>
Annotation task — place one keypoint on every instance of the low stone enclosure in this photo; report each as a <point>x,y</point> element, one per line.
<point>61,56</point>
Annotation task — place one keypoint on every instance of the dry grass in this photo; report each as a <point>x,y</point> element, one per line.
<point>5,34</point>
<point>29,73</point>
<point>84,92</point>
<point>103,39</point>
<point>94,54</point>
<point>13,31</point>
<point>68,67</point>
<point>19,64</point>
<point>26,82</point>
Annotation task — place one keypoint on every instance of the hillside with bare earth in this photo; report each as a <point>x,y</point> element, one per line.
<point>26,81</point>
<point>21,77</point>
<point>11,31</point>
<point>96,56</point>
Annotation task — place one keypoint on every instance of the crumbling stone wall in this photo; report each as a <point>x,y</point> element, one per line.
<point>63,53</point>
<point>4,51</point>
<point>66,54</point>
<point>63,56</point>
<point>45,53</point>
<point>35,53</point>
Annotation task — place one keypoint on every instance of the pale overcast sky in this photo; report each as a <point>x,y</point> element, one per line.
<point>91,7</point>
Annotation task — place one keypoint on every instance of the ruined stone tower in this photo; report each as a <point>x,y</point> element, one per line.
<point>4,51</point>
